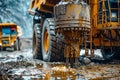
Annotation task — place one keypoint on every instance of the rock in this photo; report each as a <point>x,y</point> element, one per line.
<point>17,77</point>
<point>86,60</point>
<point>92,64</point>
<point>81,58</point>
<point>20,57</point>
<point>10,71</point>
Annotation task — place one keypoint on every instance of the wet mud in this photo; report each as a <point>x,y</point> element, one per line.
<point>19,65</point>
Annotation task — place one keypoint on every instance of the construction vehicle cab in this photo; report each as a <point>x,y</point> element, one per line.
<point>9,36</point>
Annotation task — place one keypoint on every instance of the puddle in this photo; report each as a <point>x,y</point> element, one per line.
<point>19,65</point>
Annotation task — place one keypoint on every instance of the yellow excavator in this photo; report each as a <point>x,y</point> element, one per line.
<point>62,28</point>
<point>10,36</point>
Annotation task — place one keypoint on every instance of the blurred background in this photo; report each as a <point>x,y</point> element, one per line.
<point>16,11</point>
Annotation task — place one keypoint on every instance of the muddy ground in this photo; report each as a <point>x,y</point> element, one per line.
<point>19,65</point>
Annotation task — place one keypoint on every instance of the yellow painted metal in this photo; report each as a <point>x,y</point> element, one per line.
<point>68,21</point>
<point>43,5</point>
<point>7,24</point>
<point>37,3</point>
<point>19,31</point>
<point>94,11</point>
<point>46,41</point>
<point>10,38</point>
<point>100,21</point>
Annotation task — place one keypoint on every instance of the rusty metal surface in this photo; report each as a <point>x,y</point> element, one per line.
<point>72,19</point>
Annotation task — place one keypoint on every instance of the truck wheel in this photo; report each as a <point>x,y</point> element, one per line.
<point>108,54</point>
<point>4,48</point>
<point>16,45</point>
<point>51,50</point>
<point>19,44</point>
<point>37,54</point>
<point>0,48</point>
<point>58,49</point>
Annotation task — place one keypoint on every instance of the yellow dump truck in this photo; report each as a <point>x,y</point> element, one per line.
<point>9,36</point>
<point>62,28</point>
